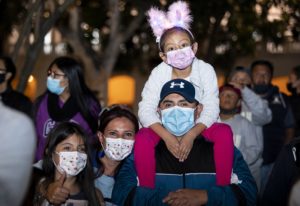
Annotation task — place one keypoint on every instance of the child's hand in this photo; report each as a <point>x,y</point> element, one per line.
<point>186,145</point>
<point>172,144</point>
<point>56,193</point>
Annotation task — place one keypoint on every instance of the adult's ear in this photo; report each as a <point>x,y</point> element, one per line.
<point>100,137</point>
<point>198,110</point>
<point>8,76</point>
<point>195,47</point>
<point>238,104</point>
<point>163,56</point>
<point>158,110</point>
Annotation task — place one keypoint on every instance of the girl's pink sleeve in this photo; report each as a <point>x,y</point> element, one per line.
<point>221,135</point>
<point>144,156</point>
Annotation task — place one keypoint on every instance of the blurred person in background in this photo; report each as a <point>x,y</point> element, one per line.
<point>253,107</point>
<point>16,155</point>
<point>294,199</point>
<point>284,176</point>
<point>280,130</point>
<point>67,99</point>
<point>10,97</point>
<point>244,138</point>
<point>293,87</point>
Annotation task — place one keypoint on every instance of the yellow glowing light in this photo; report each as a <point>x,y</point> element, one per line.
<point>121,90</point>
<point>281,83</point>
<point>221,80</point>
<point>30,79</point>
<point>31,87</point>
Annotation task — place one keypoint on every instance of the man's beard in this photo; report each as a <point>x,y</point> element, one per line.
<point>229,111</point>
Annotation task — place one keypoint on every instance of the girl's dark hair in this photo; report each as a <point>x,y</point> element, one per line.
<point>85,178</point>
<point>78,88</point>
<point>10,67</point>
<point>171,31</point>
<point>296,71</point>
<point>115,111</point>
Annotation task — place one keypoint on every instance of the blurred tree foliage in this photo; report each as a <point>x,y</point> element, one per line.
<point>225,29</point>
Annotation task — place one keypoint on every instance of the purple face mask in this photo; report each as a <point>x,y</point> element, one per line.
<point>181,58</point>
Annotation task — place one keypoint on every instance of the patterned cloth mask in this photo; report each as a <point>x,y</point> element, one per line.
<point>118,148</point>
<point>71,162</point>
<point>178,120</point>
<point>181,58</point>
<point>54,86</point>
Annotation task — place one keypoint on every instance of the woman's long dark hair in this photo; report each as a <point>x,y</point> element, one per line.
<point>85,178</point>
<point>78,88</point>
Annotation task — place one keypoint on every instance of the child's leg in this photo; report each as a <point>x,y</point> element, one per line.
<point>144,156</point>
<point>222,137</point>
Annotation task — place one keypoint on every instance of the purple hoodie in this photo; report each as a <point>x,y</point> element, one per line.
<point>44,123</point>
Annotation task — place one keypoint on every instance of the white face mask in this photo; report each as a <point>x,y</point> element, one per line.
<point>118,148</point>
<point>71,162</point>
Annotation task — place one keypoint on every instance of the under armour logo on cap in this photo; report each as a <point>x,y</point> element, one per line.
<point>179,86</point>
<point>173,84</point>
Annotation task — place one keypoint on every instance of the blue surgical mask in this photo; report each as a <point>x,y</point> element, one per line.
<point>178,120</point>
<point>53,85</point>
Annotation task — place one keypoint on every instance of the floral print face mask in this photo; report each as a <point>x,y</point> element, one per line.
<point>71,162</point>
<point>118,148</point>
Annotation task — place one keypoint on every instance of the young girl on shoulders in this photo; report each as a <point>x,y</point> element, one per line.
<point>177,49</point>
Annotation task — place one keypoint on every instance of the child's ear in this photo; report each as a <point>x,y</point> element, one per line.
<point>195,47</point>
<point>163,56</point>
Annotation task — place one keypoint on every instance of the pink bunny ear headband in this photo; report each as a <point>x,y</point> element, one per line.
<point>178,15</point>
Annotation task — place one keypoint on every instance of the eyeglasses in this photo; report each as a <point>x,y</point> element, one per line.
<point>55,75</point>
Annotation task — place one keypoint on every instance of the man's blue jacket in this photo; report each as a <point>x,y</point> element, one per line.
<point>197,172</point>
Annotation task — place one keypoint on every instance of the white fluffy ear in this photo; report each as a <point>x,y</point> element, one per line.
<point>158,21</point>
<point>179,15</point>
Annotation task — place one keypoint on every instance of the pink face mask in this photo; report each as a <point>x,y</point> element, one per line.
<point>181,58</point>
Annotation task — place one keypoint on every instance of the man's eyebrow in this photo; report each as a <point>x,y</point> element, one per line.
<point>167,101</point>
<point>183,100</point>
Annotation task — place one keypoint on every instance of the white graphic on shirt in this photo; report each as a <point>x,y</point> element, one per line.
<point>49,124</point>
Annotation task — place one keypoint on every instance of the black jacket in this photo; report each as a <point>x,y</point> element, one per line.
<point>295,104</point>
<point>285,173</point>
<point>275,131</point>
<point>18,101</point>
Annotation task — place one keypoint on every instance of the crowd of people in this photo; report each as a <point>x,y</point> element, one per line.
<point>192,142</point>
